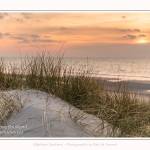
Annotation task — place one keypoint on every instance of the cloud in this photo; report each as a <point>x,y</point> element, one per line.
<point>63,28</point>
<point>142,35</point>
<point>137,30</point>
<point>47,36</point>
<point>130,36</point>
<point>7,34</point>
<point>124,30</point>
<point>19,20</point>
<point>128,30</point>
<point>26,15</point>
<point>2,15</point>
<point>45,40</point>
<point>1,35</point>
<point>23,40</point>
<point>34,36</point>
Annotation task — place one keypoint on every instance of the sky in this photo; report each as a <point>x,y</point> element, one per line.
<point>77,34</point>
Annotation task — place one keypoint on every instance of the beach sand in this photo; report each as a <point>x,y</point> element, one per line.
<point>140,87</point>
<point>135,85</point>
<point>44,115</point>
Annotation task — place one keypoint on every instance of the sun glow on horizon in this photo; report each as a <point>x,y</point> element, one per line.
<point>142,41</point>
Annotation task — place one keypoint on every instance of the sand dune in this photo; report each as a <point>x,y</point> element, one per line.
<point>44,115</point>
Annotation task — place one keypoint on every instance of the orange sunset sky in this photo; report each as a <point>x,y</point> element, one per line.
<point>92,34</point>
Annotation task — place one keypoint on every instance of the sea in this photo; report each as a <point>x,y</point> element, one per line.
<point>111,68</point>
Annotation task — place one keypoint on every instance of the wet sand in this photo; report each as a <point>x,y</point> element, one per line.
<point>133,85</point>
<point>141,88</point>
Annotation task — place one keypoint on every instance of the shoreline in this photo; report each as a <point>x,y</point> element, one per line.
<point>138,86</point>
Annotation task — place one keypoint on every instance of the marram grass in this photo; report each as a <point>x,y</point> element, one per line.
<point>125,111</point>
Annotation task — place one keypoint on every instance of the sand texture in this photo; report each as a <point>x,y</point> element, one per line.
<point>44,115</point>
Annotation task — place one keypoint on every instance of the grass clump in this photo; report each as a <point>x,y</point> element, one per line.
<point>7,106</point>
<point>122,109</point>
<point>127,112</point>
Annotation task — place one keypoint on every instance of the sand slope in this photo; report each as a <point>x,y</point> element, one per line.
<point>44,115</point>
